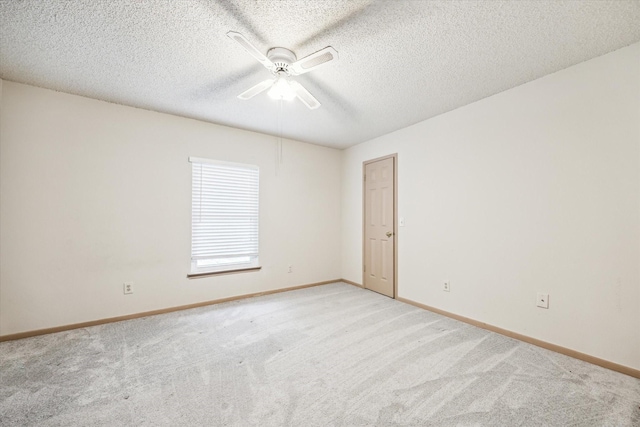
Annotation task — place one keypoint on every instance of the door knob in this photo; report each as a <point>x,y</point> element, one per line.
<point>389,234</point>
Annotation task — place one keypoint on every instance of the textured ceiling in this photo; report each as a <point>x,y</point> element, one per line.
<point>400,61</point>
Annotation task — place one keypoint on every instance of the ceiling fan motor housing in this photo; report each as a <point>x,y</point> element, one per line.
<point>282,58</point>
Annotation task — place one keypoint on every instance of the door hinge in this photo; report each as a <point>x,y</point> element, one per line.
<point>364,268</point>
<point>365,177</point>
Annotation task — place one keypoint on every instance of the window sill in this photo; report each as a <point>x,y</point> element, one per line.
<point>217,273</point>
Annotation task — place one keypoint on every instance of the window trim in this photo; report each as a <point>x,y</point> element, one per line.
<point>221,272</point>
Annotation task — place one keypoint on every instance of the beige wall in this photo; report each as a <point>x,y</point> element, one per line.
<point>536,189</point>
<point>94,194</point>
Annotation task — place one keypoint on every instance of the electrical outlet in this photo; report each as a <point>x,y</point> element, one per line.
<point>543,300</point>
<point>128,287</point>
<point>290,269</point>
<point>446,287</point>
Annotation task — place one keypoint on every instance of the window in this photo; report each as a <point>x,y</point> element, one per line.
<point>224,216</point>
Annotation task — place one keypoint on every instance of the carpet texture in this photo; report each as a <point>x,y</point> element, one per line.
<point>331,355</point>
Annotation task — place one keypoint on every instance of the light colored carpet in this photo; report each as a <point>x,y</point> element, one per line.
<point>331,355</point>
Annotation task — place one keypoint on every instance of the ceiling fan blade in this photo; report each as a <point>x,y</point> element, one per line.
<point>304,95</point>
<point>314,60</point>
<point>253,51</point>
<point>260,87</point>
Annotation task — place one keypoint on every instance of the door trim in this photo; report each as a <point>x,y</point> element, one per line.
<point>393,156</point>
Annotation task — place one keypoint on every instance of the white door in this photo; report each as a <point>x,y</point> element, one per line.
<point>379,227</point>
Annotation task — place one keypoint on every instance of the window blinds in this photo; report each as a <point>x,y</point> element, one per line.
<point>224,216</point>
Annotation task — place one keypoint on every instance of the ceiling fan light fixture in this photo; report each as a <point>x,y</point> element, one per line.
<point>281,90</point>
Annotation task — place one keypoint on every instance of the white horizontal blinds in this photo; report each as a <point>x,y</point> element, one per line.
<point>224,217</point>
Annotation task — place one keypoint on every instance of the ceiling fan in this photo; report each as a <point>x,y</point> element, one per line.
<point>283,63</point>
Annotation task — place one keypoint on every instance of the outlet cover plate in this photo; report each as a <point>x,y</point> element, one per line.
<point>543,300</point>
<point>127,287</point>
<point>446,287</point>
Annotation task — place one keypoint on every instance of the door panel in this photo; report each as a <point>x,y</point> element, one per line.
<point>379,227</point>
<point>372,257</point>
<point>384,268</point>
<point>384,221</point>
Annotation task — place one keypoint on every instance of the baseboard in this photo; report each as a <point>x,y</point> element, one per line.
<point>351,283</point>
<point>45,331</point>
<point>553,347</point>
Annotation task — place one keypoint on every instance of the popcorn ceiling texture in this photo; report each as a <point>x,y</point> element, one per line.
<point>401,62</point>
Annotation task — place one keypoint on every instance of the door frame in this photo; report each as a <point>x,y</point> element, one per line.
<point>393,156</point>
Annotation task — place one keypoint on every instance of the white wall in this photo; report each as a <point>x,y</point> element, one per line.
<point>536,189</point>
<point>93,194</point>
